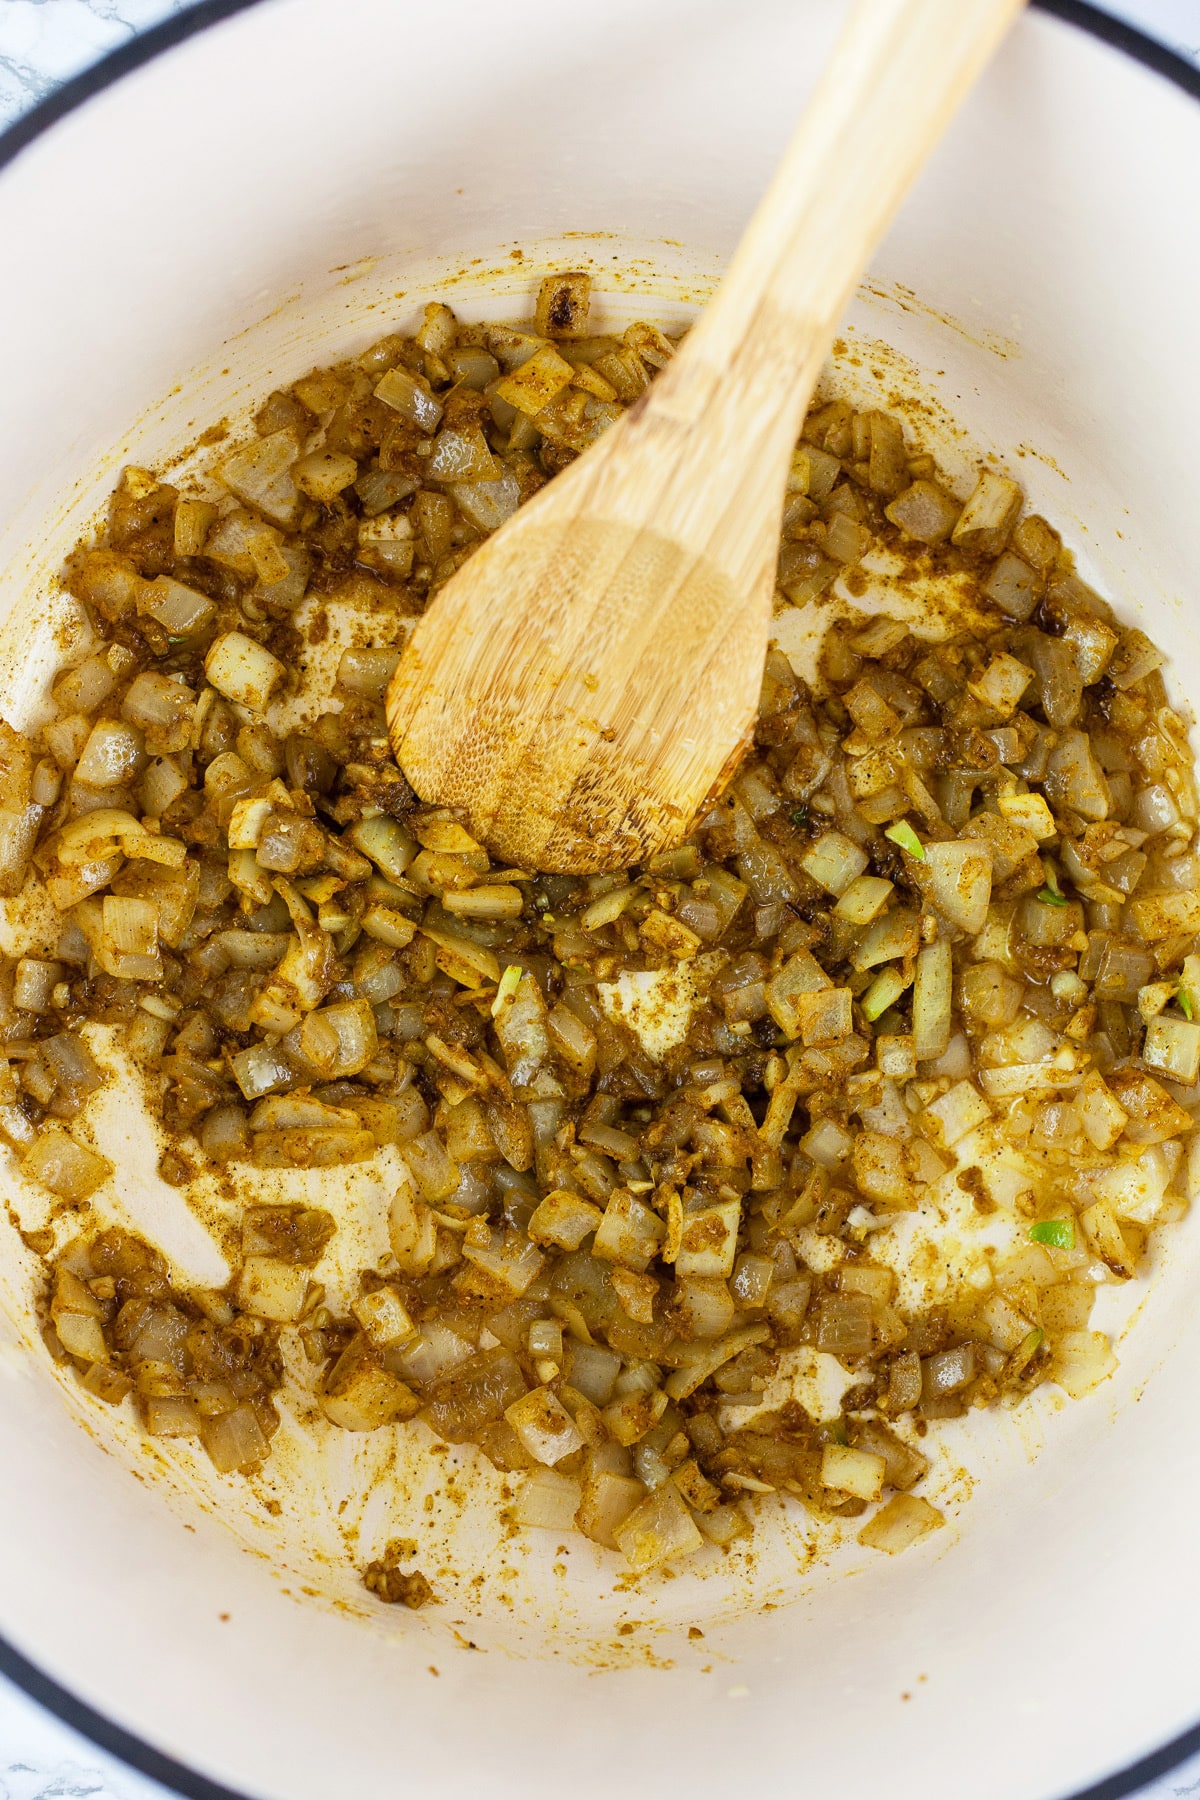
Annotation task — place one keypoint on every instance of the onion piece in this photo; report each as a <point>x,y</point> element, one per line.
<point>1016,1079</point>
<point>260,473</point>
<point>854,1472</point>
<point>171,1416</point>
<point>180,610</point>
<point>1075,779</point>
<point>319,1148</point>
<point>1172,1047</point>
<point>85,687</point>
<point>925,511</point>
<point>323,475</point>
<point>384,1318</point>
<point>630,1234</point>
<point>271,1289</point>
<point>112,755</point>
<point>191,525</point>
<point>161,707</point>
<point>339,1040</point>
<point>963,1109</point>
<point>960,882</point>
<point>864,899</point>
<point>1081,1361</point>
<point>826,1017</point>
<point>697,1361</point>
<point>261,1070</point>
<point>412,1229</point>
<point>367,672</point>
<point>67,1168</point>
<point>544,1426</point>
<point>896,934</point>
<point>522,1028</point>
<point>1012,586</point>
<point>947,1372</point>
<point>987,519</point>
<point>536,382</point>
<point>465,961</point>
<point>564,1219</point>
<point>34,982</point>
<point>411,398</point>
<point>1030,813</point>
<point>834,861</point>
<point>72,1065</point>
<point>243,670</point>
<point>548,1501</point>
<point>1159,916</point>
<point>606,1502</point>
<point>474,1393</point>
<point>932,1001</point>
<point>128,947</point>
<point>703,1306</point>
<point>1001,684</point>
<point>388,845</point>
<point>360,1394</point>
<point>1134,658</point>
<point>660,1529</point>
<point>573,1041</point>
<point>901,1522</point>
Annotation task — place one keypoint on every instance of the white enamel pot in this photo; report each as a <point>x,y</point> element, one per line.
<point>260,187</point>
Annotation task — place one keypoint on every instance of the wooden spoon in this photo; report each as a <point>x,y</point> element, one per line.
<point>588,681</point>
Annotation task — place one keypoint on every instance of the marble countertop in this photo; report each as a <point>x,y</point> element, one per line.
<point>42,42</point>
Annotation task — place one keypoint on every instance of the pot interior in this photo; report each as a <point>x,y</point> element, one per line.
<point>1035,314</point>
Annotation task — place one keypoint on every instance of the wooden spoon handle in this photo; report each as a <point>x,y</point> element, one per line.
<point>585,685</point>
<point>899,71</point>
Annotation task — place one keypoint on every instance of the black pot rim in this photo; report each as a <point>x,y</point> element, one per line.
<point>105,1733</point>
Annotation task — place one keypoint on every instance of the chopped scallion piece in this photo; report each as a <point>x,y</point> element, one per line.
<point>1185,1004</point>
<point>1026,1350</point>
<point>884,991</point>
<point>903,834</point>
<point>510,981</point>
<point>1048,897</point>
<point>1058,1233</point>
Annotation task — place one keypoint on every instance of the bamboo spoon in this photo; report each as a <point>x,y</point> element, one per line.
<point>588,681</point>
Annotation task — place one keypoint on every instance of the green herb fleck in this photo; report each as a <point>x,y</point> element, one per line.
<point>903,834</point>
<point>1058,1233</point>
<point>800,816</point>
<point>1185,1004</point>
<point>1048,897</point>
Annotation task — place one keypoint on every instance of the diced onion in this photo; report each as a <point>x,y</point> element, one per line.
<point>900,1522</point>
<point>547,1501</point>
<point>243,670</point>
<point>644,1135</point>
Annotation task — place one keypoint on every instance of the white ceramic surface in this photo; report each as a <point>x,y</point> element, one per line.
<point>1020,1617</point>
